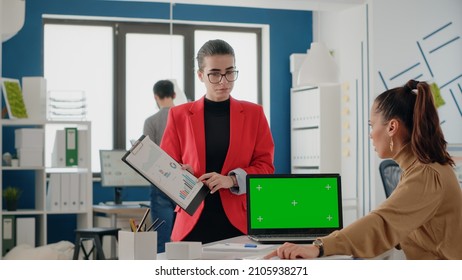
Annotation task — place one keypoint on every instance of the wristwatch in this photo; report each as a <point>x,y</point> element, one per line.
<point>318,243</point>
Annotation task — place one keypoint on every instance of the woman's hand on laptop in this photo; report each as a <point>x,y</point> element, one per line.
<point>294,251</point>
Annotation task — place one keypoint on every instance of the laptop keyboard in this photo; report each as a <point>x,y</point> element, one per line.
<point>286,237</point>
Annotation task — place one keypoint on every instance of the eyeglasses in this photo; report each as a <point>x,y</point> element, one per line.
<point>216,77</point>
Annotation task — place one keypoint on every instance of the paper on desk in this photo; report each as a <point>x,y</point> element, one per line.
<point>336,257</point>
<point>241,247</point>
<point>332,257</point>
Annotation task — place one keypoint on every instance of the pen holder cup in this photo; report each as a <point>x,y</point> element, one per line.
<point>137,245</point>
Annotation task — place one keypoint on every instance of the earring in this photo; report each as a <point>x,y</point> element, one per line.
<point>391,144</point>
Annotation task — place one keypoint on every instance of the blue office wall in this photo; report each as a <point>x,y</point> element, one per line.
<point>290,32</point>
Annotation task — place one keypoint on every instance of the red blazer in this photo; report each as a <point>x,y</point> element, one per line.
<point>251,148</point>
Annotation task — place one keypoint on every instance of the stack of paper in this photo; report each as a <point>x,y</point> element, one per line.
<point>240,247</point>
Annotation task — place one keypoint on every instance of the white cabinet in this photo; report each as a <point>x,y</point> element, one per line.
<point>315,129</point>
<point>34,181</point>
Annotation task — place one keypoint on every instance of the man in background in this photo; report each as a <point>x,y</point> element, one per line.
<point>162,206</point>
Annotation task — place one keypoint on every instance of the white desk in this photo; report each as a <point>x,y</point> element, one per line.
<point>233,255</point>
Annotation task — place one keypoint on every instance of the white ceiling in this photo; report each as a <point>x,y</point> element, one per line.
<point>305,5</point>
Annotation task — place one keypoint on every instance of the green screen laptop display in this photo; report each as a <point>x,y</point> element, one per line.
<point>294,203</point>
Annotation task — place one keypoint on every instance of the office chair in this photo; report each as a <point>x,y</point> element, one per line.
<point>390,174</point>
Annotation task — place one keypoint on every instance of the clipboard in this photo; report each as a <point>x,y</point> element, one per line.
<point>156,166</point>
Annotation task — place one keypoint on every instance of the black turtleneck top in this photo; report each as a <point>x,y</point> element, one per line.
<point>213,225</point>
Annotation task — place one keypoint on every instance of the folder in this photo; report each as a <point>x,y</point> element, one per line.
<point>74,187</point>
<point>71,146</point>
<point>70,151</point>
<point>54,193</point>
<point>8,234</point>
<point>82,149</point>
<point>58,155</point>
<point>65,192</point>
<point>83,181</point>
<point>25,231</point>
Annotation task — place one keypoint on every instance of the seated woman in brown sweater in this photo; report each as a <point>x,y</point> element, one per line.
<point>423,215</point>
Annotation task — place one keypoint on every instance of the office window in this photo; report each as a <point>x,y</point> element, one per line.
<point>149,58</point>
<point>80,58</point>
<point>117,63</point>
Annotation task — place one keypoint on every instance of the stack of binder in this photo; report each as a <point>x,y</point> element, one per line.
<point>17,231</point>
<point>67,192</point>
<point>8,234</point>
<point>70,148</point>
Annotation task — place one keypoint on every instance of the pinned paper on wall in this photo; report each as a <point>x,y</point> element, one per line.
<point>428,54</point>
<point>439,101</point>
<point>14,100</point>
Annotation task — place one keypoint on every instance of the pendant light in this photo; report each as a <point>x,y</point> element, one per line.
<point>12,17</point>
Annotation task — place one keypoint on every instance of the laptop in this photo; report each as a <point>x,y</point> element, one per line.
<point>293,207</point>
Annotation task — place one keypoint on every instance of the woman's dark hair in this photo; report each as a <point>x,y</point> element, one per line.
<point>418,113</point>
<point>213,47</point>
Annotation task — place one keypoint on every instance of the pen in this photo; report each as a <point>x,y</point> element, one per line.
<point>161,223</point>
<point>152,225</point>
<point>246,245</point>
<point>143,219</point>
<point>132,224</point>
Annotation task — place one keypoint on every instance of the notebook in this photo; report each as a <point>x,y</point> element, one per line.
<point>293,207</point>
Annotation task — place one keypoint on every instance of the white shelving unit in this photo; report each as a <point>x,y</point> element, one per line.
<point>315,129</point>
<point>35,179</point>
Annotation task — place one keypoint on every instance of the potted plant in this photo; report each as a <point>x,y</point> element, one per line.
<point>11,195</point>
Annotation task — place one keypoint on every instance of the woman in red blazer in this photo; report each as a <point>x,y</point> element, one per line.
<point>219,139</point>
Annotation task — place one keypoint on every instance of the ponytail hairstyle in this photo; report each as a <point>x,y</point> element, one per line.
<point>413,104</point>
<point>213,47</point>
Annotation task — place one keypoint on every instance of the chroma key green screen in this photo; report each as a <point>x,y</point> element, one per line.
<point>294,202</point>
